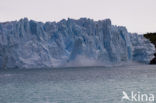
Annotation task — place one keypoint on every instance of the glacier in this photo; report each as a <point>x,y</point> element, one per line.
<point>83,42</point>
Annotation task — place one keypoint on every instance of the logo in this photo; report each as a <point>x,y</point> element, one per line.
<point>137,97</point>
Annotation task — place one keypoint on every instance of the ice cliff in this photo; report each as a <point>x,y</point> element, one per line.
<point>84,42</point>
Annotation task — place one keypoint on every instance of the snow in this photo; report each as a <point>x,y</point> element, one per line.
<point>31,44</point>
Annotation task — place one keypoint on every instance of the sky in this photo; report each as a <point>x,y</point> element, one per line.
<point>137,15</point>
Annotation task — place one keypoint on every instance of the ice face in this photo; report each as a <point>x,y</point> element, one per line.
<point>142,48</point>
<point>30,44</point>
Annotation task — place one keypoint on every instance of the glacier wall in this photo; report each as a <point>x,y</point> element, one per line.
<point>84,42</point>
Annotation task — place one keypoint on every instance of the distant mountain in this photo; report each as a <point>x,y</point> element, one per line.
<point>152,38</point>
<point>83,42</point>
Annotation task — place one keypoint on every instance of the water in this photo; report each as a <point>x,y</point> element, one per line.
<point>76,85</point>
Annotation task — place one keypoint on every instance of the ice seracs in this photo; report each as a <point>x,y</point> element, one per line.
<point>31,44</point>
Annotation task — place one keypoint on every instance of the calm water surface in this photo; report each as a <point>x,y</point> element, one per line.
<point>76,85</point>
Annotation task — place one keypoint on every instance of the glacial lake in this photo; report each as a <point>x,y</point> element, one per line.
<point>76,85</point>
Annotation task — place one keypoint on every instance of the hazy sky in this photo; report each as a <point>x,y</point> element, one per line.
<point>137,15</point>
